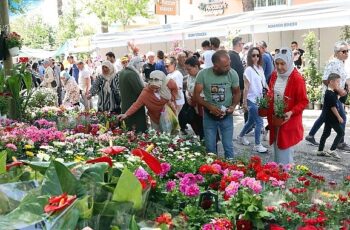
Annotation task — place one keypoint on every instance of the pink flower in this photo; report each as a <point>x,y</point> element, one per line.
<point>166,167</point>
<point>170,185</point>
<point>234,173</point>
<point>277,183</point>
<point>11,146</point>
<point>141,174</point>
<point>232,189</point>
<point>192,190</point>
<point>252,183</point>
<point>217,167</point>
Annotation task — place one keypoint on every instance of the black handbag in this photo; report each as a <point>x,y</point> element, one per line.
<point>53,84</point>
<point>344,98</point>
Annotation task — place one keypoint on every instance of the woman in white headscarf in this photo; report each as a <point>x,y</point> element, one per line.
<point>286,83</point>
<point>160,91</point>
<point>106,86</point>
<point>71,88</point>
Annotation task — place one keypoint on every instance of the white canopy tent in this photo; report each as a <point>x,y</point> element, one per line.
<point>314,15</point>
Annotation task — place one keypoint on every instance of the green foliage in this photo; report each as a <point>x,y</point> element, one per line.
<point>312,74</point>
<point>128,189</point>
<point>68,25</point>
<point>17,6</point>
<point>109,11</point>
<point>34,31</point>
<point>279,106</point>
<point>263,102</point>
<point>345,35</point>
<point>3,162</point>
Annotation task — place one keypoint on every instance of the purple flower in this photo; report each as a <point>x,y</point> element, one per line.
<point>11,146</point>
<point>141,174</point>
<point>170,185</point>
<point>232,189</point>
<point>208,227</point>
<point>180,174</point>
<point>166,167</point>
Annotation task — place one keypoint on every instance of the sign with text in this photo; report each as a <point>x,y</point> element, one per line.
<point>166,7</point>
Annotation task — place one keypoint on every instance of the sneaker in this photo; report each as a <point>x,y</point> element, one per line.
<point>323,154</point>
<point>260,148</point>
<point>311,140</point>
<point>334,154</point>
<point>343,146</point>
<point>243,140</point>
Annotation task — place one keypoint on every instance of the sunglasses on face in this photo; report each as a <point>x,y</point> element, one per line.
<point>255,55</point>
<point>284,51</point>
<point>344,51</point>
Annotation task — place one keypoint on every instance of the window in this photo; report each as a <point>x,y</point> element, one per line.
<point>266,3</point>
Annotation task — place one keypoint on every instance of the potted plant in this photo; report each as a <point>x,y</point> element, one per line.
<point>278,116</point>
<point>263,104</point>
<point>318,98</point>
<point>13,43</point>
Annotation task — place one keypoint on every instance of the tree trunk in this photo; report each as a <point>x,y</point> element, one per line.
<point>59,8</point>
<point>248,5</point>
<point>4,14</point>
<point>104,27</point>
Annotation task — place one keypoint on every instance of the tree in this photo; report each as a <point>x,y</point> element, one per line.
<point>345,35</point>
<point>248,5</point>
<point>123,11</point>
<point>34,32</point>
<point>68,26</point>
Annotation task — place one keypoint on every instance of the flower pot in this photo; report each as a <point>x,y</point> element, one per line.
<point>310,105</point>
<point>14,51</point>
<point>277,121</point>
<point>317,106</point>
<point>262,112</point>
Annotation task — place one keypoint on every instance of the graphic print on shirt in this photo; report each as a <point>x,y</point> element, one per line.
<point>218,92</point>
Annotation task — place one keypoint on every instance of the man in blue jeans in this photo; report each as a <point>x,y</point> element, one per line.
<point>220,85</point>
<point>336,65</point>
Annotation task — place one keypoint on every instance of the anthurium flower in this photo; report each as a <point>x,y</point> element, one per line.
<point>106,159</point>
<point>165,218</point>
<point>14,164</point>
<point>58,203</point>
<point>276,227</point>
<point>150,160</point>
<point>113,150</point>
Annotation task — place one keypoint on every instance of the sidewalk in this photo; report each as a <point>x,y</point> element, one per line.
<point>305,154</point>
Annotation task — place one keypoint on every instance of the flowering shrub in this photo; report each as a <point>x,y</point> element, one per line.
<point>13,40</point>
<point>42,97</point>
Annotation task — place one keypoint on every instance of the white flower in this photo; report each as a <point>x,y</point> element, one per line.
<point>70,152</point>
<point>43,156</point>
<point>118,165</point>
<point>59,160</point>
<point>132,158</point>
<point>210,160</point>
<point>197,154</point>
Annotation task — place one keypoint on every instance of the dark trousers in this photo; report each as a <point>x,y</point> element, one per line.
<point>322,118</point>
<point>327,132</point>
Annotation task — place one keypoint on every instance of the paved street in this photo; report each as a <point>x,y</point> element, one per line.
<point>331,168</point>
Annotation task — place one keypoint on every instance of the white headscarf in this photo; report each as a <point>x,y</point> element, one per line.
<point>162,82</point>
<point>286,55</point>
<point>109,76</point>
<point>135,64</point>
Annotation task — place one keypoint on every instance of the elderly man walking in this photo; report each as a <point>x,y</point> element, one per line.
<point>220,85</point>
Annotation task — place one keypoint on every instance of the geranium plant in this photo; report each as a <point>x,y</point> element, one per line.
<point>13,40</point>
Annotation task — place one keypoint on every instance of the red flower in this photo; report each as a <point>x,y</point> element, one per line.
<point>307,227</point>
<point>114,150</point>
<point>208,169</point>
<point>297,190</point>
<point>307,183</point>
<point>262,176</point>
<point>106,159</point>
<point>244,225</point>
<point>348,178</point>
<point>150,160</point>
<point>276,227</point>
<point>117,131</point>
<point>342,198</point>
<point>14,164</point>
<point>165,218</point>
<point>302,178</point>
<point>270,208</point>
<point>57,203</point>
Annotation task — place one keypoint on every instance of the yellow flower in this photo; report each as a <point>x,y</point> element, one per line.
<point>29,153</point>
<point>28,147</point>
<point>150,148</point>
<point>302,168</point>
<point>78,159</point>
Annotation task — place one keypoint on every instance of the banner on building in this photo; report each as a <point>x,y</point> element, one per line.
<point>166,7</point>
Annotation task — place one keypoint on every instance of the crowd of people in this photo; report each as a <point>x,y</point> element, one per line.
<point>204,90</point>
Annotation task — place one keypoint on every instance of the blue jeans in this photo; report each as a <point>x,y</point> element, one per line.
<point>321,119</point>
<point>225,127</point>
<point>253,118</point>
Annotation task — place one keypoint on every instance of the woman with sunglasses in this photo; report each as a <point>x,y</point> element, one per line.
<point>287,83</point>
<point>254,83</point>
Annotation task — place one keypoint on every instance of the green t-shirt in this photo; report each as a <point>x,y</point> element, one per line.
<point>218,89</point>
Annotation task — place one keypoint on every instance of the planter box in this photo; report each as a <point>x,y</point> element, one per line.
<point>14,51</point>
<point>310,105</point>
<point>262,112</point>
<point>277,121</point>
<point>317,106</point>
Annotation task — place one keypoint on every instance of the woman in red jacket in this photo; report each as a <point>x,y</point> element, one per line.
<point>286,82</point>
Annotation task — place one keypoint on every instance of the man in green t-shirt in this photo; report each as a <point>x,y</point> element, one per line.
<point>220,85</point>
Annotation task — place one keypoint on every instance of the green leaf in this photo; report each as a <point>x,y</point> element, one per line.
<point>3,162</point>
<point>42,166</point>
<point>94,173</point>
<point>133,225</point>
<point>58,179</point>
<point>66,219</point>
<point>85,207</point>
<point>128,189</point>
<point>27,79</point>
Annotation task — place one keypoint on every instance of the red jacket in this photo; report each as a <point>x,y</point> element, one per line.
<point>291,132</point>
